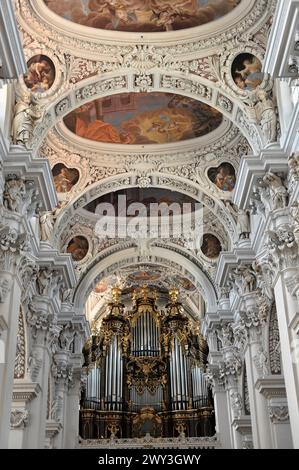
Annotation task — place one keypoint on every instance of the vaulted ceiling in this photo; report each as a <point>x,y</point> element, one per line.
<point>149,96</point>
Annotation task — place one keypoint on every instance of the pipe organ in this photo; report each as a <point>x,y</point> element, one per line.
<point>145,373</point>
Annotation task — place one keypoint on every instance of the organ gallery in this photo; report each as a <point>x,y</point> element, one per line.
<point>145,372</point>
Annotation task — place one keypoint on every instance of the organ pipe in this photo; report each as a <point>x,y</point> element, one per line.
<point>145,369</point>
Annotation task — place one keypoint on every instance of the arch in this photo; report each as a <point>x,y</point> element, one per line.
<point>157,80</point>
<point>107,264</point>
<point>155,180</point>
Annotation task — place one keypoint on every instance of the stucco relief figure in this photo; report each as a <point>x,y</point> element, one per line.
<point>261,362</point>
<point>43,281</point>
<point>46,221</point>
<point>278,191</point>
<point>14,194</point>
<point>246,71</point>
<point>66,337</point>
<point>34,365</point>
<point>227,336</point>
<point>266,114</point>
<point>248,280</point>
<point>236,402</point>
<point>26,115</point>
<point>243,224</point>
<point>56,407</point>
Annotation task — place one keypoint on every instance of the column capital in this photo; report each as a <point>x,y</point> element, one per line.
<point>230,369</point>
<point>283,248</point>
<point>13,246</point>
<point>62,369</point>
<point>213,378</point>
<point>21,196</point>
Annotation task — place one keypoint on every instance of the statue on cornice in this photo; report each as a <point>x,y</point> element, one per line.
<point>266,114</point>
<point>66,337</point>
<point>243,224</point>
<point>236,402</point>
<point>249,280</point>
<point>261,362</point>
<point>44,280</point>
<point>245,278</point>
<point>277,190</point>
<point>46,223</point>
<point>227,335</point>
<point>26,115</point>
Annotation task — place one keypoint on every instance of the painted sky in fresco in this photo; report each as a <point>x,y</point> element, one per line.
<point>143,118</point>
<point>141,15</point>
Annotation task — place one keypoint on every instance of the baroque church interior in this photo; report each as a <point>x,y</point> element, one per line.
<point>185,333</point>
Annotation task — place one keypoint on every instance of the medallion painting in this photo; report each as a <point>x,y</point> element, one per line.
<point>41,74</point>
<point>141,15</point>
<point>78,248</point>
<point>211,246</point>
<point>224,177</point>
<point>143,118</point>
<point>247,72</point>
<point>64,178</point>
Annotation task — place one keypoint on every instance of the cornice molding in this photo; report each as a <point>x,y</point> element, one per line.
<point>25,391</point>
<point>272,386</point>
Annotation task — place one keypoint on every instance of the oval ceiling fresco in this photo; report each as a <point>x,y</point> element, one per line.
<point>141,15</point>
<point>143,118</point>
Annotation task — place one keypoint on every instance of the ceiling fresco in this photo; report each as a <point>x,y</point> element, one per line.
<point>154,277</point>
<point>145,196</point>
<point>141,15</point>
<point>143,118</point>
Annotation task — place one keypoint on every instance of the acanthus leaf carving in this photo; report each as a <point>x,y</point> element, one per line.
<point>19,418</point>
<point>278,414</point>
